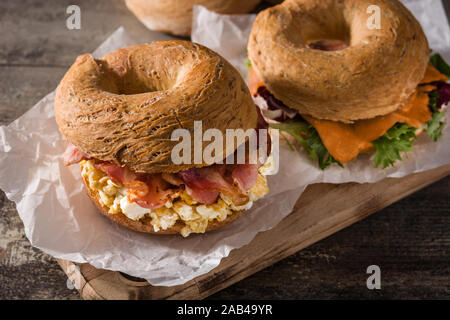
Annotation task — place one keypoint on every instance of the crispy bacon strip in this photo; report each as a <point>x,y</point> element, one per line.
<point>172,178</point>
<point>119,174</point>
<point>203,195</point>
<point>213,178</point>
<point>245,176</point>
<point>147,190</point>
<point>124,177</point>
<point>74,155</point>
<point>202,184</point>
<point>159,192</point>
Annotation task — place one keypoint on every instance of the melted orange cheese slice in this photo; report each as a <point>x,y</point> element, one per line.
<point>345,141</point>
<point>432,74</point>
<point>253,81</point>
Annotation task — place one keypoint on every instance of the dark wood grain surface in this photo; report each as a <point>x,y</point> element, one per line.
<point>410,240</point>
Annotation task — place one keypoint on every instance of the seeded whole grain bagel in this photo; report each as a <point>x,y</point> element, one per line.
<point>123,108</point>
<point>374,75</point>
<point>175,16</point>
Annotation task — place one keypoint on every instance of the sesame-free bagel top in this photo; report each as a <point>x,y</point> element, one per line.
<point>375,75</point>
<point>123,108</point>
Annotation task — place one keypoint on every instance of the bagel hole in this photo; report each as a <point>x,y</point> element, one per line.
<point>327,29</point>
<point>132,82</point>
<point>328,45</point>
<point>136,86</point>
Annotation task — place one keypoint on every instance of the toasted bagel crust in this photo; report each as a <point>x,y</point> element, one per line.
<point>144,225</point>
<point>175,16</point>
<point>375,75</point>
<point>123,108</point>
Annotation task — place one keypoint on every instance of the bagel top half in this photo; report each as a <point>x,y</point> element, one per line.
<point>375,75</point>
<point>123,108</point>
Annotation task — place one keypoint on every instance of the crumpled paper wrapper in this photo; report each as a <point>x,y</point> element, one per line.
<point>60,219</point>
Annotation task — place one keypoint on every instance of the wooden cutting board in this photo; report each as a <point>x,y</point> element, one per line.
<point>320,211</point>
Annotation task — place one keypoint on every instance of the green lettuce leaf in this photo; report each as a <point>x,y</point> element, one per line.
<point>399,138</point>
<point>307,137</point>
<point>248,63</point>
<point>435,126</point>
<point>324,158</point>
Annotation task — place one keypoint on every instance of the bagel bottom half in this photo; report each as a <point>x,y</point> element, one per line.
<point>147,223</point>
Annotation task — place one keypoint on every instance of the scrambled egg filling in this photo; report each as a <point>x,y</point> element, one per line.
<point>194,215</point>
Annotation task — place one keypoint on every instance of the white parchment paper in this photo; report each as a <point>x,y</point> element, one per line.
<point>60,219</point>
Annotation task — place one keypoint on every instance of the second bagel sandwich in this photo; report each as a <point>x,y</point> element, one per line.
<point>342,86</point>
<point>118,114</point>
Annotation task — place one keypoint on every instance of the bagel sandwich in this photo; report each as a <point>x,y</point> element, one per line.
<point>175,16</point>
<point>118,114</point>
<point>338,88</point>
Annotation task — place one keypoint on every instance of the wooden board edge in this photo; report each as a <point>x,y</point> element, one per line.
<point>79,282</point>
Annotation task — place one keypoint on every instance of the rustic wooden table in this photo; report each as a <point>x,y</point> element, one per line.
<point>409,240</point>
